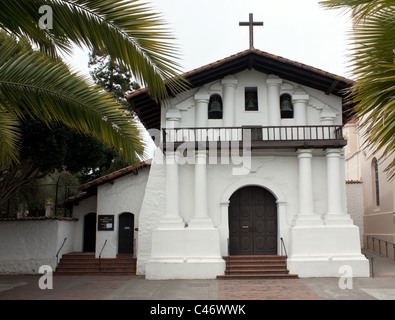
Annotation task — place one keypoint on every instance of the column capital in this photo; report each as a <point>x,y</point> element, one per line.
<point>273,80</point>
<point>300,96</point>
<point>202,95</point>
<point>224,203</point>
<point>305,153</point>
<point>327,115</point>
<point>229,81</point>
<point>173,114</point>
<point>333,153</point>
<point>281,203</point>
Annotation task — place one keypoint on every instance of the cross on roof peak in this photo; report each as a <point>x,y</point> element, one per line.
<point>251,25</point>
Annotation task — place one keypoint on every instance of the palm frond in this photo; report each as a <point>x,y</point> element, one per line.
<point>32,84</point>
<point>9,139</point>
<point>373,66</point>
<point>128,31</point>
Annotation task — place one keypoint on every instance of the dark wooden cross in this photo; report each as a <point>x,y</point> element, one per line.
<point>251,24</point>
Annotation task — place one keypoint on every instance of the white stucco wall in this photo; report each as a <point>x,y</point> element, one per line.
<point>318,106</point>
<point>82,208</point>
<point>274,170</point>
<point>355,206</point>
<point>152,209</point>
<point>125,194</point>
<point>28,244</point>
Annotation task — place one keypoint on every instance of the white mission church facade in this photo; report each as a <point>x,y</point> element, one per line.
<point>249,161</point>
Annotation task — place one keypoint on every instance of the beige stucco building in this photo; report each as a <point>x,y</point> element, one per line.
<point>378,190</point>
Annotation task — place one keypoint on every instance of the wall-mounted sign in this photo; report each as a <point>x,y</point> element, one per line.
<point>105,223</point>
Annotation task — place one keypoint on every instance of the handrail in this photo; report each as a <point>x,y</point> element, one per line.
<point>105,242</point>
<point>57,254</point>
<point>285,250</point>
<point>283,246</point>
<point>379,243</point>
<point>264,133</point>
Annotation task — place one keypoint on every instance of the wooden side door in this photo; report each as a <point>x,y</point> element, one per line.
<point>126,233</point>
<point>89,244</point>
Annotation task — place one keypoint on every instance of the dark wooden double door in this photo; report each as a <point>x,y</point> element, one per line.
<point>252,222</point>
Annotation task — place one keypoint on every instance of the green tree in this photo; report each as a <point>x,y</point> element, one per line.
<point>373,66</point>
<point>45,149</point>
<point>112,76</point>
<point>39,85</point>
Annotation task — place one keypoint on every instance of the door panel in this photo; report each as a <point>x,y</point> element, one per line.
<point>89,244</point>
<point>252,222</point>
<point>126,233</point>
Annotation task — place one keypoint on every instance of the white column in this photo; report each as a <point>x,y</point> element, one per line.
<point>333,181</point>
<point>201,107</point>
<point>306,214</point>
<point>274,113</point>
<point>335,214</point>
<point>229,84</point>
<point>305,182</point>
<point>299,100</point>
<point>201,217</point>
<point>173,118</point>
<point>172,218</point>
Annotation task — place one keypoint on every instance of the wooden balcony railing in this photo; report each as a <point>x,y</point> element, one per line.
<point>260,137</point>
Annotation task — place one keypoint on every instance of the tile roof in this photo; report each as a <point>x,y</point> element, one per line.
<point>89,189</point>
<point>148,110</point>
<point>114,175</point>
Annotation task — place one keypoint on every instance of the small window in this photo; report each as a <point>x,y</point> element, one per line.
<point>215,107</point>
<point>376,184</point>
<point>251,99</point>
<point>286,106</point>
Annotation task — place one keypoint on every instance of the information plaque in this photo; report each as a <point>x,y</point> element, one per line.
<point>105,223</point>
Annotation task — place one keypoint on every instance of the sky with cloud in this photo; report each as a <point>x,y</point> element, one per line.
<point>208,30</point>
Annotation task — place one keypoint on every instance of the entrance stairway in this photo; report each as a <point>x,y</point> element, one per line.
<point>85,263</point>
<point>256,267</point>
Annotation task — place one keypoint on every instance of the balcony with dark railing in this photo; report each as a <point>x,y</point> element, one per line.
<point>258,137</point>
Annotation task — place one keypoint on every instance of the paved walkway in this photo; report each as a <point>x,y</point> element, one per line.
<point>381,287</point>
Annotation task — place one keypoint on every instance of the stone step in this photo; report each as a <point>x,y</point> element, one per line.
<point>257,276</point>
<point>93,273</point>
<point>255,258</point>
<point>256,271</point>
<point>86,264</point>
<point>254,267</point>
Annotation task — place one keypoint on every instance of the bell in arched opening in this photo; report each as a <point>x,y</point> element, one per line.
<point>215,107</point>
<point>286,106</point>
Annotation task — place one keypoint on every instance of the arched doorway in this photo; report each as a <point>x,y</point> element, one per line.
<point>89,232</point>
<point>126,233</point>
<point>252,222</point>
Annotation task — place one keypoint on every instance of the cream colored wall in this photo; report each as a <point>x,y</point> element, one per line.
<point>379,221</point>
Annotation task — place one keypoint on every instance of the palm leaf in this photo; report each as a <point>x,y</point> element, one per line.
<point>9,139</point>
<point>126,30</point>
<point>33,85</point>
<point>372,61</point>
